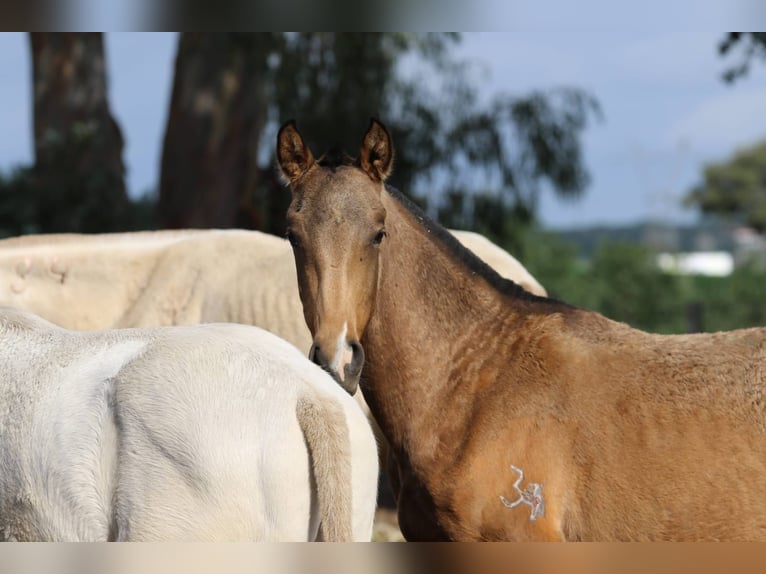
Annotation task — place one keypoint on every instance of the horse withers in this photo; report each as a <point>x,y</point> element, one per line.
<point>513,416</point>
<point>215,432</point>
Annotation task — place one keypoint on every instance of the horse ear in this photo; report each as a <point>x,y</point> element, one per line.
<point>377,153</point>
<point>293,155</point>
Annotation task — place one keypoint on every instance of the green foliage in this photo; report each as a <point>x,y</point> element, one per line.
<point>333,82</point>
<point>735,301</point>
<point>752,44</point>
<point>622,282</point>
<point>628,286</point>
<point>525,144</point>
<point>53,197</point>
<point>556,265</point>
<point>486,213</point>
<point>529,142</point>
<point>735,187</point>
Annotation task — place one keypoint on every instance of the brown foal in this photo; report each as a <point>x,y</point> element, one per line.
<point>512,416</point>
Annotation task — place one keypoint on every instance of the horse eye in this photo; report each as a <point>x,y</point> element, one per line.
<point>379,237</point>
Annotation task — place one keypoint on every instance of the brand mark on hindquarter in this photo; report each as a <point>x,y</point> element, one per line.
<point>532,496</point>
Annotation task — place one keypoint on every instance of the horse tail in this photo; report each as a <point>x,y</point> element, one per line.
<point>323,422</point>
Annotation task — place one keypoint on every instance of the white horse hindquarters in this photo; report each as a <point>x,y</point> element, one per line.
<point>221,455</point>
<point>289,502</point>
<point>364,470</point>
<point>363,450</point>
<point>178,433</point>
<point>58,444</point>
<point>235,493</point>
<point>344,418</point>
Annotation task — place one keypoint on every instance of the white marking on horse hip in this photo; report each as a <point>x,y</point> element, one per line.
<point>532,496</point>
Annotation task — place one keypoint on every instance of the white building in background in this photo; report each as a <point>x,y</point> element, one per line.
<point>711,263</point>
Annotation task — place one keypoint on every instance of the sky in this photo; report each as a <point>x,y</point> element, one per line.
<point>666,111</point>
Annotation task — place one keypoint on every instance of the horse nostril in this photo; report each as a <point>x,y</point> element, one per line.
<point>357,357</point>
<point>314,353</point>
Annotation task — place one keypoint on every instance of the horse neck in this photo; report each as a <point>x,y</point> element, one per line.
<point>427,337</point>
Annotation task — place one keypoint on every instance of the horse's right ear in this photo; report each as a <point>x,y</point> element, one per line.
<point>293,155</point>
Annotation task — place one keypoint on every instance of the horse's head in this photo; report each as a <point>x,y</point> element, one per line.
<point>336,225</point>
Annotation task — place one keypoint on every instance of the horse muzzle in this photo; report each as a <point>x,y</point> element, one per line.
<point>345,367</point>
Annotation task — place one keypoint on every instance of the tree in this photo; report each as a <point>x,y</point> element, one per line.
<point>735,187</point>
<point>77,180</point>
<point>753,44</point>
<point>529,142</point>
<point>78,144</point>
<point>232,90</point>
<point>621,280</point>
<point>332,83</point>
<point>218,111</point>
<point>628,286</point>
<point>555,263</point>
<point>733,302</point>
<point>525,144</point>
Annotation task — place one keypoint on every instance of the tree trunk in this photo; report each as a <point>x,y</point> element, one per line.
<point>217,112</point>
<point>77,141</point>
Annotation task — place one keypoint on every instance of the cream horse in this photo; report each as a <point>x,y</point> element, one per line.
<point>176,277</point>
<point>215,432</point>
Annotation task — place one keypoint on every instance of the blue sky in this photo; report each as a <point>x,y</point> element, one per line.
<point>666,111</point>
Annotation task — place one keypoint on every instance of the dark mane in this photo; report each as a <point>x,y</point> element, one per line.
<point>466,256</point>
<point>336,158</point>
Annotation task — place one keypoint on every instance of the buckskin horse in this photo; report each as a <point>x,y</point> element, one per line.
<point>513,416</point>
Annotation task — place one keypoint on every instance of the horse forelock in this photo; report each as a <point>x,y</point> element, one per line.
<point>335,158</point>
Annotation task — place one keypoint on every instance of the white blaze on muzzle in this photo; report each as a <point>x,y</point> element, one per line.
<point>343,354</point>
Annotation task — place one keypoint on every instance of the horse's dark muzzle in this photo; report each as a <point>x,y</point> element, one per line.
<point>351,371</point>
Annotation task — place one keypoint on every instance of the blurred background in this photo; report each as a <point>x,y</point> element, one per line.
<point>626,170</point>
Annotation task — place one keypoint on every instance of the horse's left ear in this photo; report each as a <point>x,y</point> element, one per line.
<point>294,156</point>
<point>377,153</point>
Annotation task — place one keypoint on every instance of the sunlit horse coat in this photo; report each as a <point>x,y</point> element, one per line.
<point>148,279</point>
<point>213,432</point>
